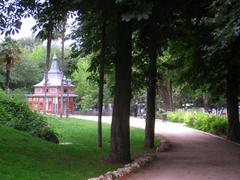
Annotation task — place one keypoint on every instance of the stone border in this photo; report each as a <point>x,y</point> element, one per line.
<point>136,164</point>
<point>224,138</point>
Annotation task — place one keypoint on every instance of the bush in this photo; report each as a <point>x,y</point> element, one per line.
<point>175,117</point>
<point>202,121</point>
<point>14,112</point>
<point>219,125</point>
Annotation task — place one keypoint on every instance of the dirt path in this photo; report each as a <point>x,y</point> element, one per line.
<point>193,156</point>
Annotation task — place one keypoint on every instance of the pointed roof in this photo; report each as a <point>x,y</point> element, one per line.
<point>54,67</point>
<point>54,74</point>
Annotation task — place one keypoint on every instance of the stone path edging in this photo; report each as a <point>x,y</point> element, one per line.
<point>216,136</point>
<point>138,163</point>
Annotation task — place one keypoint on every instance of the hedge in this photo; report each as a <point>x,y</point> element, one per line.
<point>202,121</point>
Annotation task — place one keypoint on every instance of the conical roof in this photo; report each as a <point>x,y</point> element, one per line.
<point>54,67</point>
<point>54,74</point>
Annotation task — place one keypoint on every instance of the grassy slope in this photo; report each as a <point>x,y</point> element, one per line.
<point>25,157</point>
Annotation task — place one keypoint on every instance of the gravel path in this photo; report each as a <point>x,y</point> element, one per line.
<point>193,155</point>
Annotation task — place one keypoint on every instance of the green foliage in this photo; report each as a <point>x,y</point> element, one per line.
<point>10,49</point>
<point>25,75</point>
<point>219,125</point>
<point>86,89</point>
<point>37,55</point>
<point>14,112</point>
<point>177,116</point>
<point>202,121</point>
<point>9,55</point>
<point>29,70</point>
<point>225,21</point>
<point>86,84</point>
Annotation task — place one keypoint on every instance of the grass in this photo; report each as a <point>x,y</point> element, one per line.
<point>25,157</point>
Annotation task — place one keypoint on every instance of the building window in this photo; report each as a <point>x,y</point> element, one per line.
<point>53,90</point>
<point>38,90</point>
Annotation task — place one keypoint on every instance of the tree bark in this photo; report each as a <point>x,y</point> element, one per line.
<point>49,42</point>
<point>206,102</point>
<point>171,95</point>
<point>233,132</point>
<point>164,89</point>
<point>151,95</point>
<point>120,140</point>
<point>7,81</point>
<point>101,79</point>
<point>9,63</point>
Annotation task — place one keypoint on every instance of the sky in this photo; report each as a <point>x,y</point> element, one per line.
<point>25,31</point>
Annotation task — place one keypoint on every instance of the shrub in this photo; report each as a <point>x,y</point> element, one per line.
<point>219,125</point>
<point>202,121</point>
<point>175,117</point>
<point>14,112</point>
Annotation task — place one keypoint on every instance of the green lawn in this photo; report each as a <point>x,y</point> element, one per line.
<point>25,157</point>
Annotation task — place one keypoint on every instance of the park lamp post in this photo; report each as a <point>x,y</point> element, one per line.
<point>62,91</point>
<point>67,82</point>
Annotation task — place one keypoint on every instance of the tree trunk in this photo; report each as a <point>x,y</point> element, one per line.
<point>120,142</point>
<point>164,89</point>
<point>232,103</point>
<point>49,41</point>
<point>62,63</point>
<point>206,102</point>
<point>151,95</point>
<point>171,95</point>
<point>101,79</point>
<point>7,81</point>
<point>9,63</point>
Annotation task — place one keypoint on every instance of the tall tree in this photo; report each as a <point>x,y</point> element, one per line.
<point>232,94</point>
<point>151,46</point>
<point>154,33</point>
<point>46,34</point>
<point>94,18</point>
<point>120,142</point>
<point>9,54</point>
<point>125,11</point>
<point>227,39</point>
<point>151,97</point>
<point>101,76</point>
<point>62,36</point>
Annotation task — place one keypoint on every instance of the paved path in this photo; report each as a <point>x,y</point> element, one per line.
<point>193,156</point>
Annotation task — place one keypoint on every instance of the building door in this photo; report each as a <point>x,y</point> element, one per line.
<point>55,105</point>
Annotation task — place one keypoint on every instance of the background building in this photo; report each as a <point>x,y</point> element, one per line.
<point>55,91</point>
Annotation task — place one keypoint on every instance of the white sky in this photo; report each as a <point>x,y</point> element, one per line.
<point>26,30</point>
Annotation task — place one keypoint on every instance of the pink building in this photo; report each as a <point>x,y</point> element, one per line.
<point>55,91</point>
